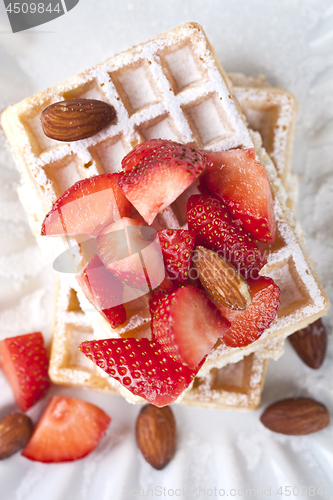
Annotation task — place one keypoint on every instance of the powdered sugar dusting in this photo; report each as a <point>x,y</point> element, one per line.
<point>31,313</point>
<point>21,266</point>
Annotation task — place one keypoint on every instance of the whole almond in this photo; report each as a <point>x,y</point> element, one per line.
<point>221,279</point>
<point>296,417</point>
<point>156,435</point>
<point>310,343</point>
<point>15,431</point>
<point>76,119</point>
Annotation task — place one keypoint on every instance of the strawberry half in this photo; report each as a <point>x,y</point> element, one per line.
<point>215,229</point>
<point>104,291</point>
<point>87,206</point>
<point>69,429</point>
<point>187,325</point>
<point>25,365</point>
<point>177,247</point>
<point>242,184</point>
<point>131,251</point>
<point>142,367</point>
<point>155,176</point>
<point>248,325</point>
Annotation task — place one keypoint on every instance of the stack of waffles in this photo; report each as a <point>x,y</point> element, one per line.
<point>172,87</point>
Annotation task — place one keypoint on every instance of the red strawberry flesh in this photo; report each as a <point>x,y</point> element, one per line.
<point>152,181</point>
<point>242,184</point>
<point>69,429</point>
<point>129,249</point>
<point>104,291</point>
<point>87,207</point>
<point>248,325</point>
<point>142,367</point>
<point>25,364</point>
<point>177,247</point>
<point>208,217</point>
<point>188,325</point>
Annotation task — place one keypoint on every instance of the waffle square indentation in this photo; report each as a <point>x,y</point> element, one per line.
<point>75,336</point>
<point>183,67</point>
<point>162,128</point>
<point>38,140</point>
<point>109,153</point>
<point>208,122</point>
<point>294,294</point>
<point>89,90</point>
<point>63,174</point>
<point>136,87</point>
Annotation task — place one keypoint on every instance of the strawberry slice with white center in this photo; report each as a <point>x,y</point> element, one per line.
<point>248,325</point>
<point>216,230</point>
<point>104,291</point>
<point>142,367</point>
<point>177,247</point>
<point>187,325</point>
<point>152,181</point>
<point>87,206</point>
<point>242,184</point>
<point>25,364</point>
<point>131,251</point>
<point>69,429</point>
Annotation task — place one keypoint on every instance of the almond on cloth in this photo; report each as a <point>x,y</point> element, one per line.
<point>310,343</point>
<point>296,417</point>
<point>156,435</point>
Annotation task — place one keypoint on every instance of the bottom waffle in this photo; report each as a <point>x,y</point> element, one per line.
<point>235,386</point>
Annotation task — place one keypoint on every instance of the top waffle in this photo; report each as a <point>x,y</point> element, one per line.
<point>171,87</point>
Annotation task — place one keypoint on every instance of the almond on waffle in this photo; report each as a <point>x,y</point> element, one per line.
<point>173,87</point>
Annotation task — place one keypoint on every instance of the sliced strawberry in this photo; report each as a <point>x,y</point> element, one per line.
<point>87,206</point>
<point>25,364</point>
<point>215,230</point>
<point>142,367</point>
<point>248,325</point>
<point>242,184</point>
<point>131,251</point>
<point>140,152</point>
<point>177,247</point>
<point>69,429</point>
<point>188,325</point>
<point>162,291</point>
<point>116,315</point>
<point>104,291</point>
<point>152,181</point>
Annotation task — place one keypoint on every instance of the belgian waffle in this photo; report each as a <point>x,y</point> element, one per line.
<point>172,87</point>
